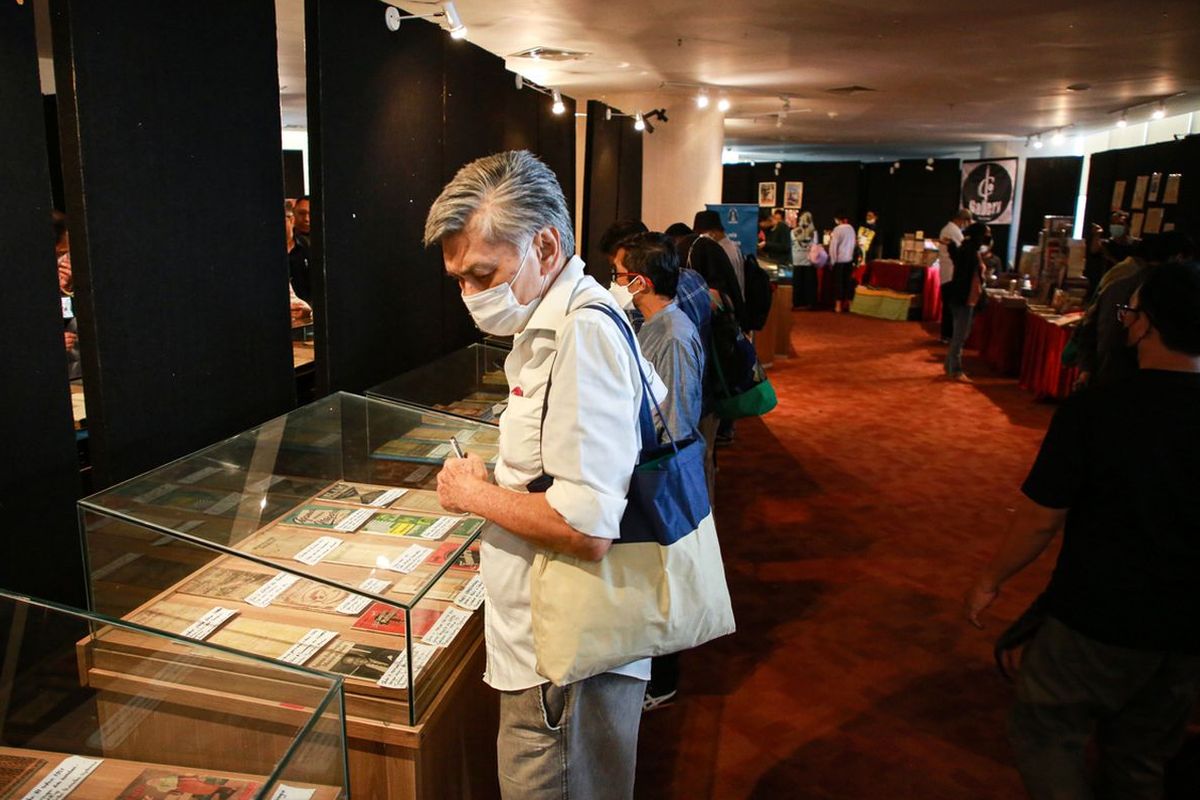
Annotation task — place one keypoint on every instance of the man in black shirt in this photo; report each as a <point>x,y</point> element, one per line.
<point>1118,654</point>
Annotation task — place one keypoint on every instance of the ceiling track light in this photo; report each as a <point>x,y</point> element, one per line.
<point>639,124</point>
<point>1058,137</point>
<point>392,19</point>
<point>1123,120</point>
<point>1037,142</point>
<point>559,107</point>
<point>702,98</point>
<point>1159,112</point>
<point>723,105</point>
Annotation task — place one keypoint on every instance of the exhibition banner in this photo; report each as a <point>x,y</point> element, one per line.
<point>989,189</point>
<point>741,223</point>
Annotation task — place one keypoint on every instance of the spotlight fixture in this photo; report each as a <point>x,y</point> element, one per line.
<point>1037,142</point>
<point>558,107</point>
<point>639,124</point>
<point>1058,138</point>
<point>702,99</point>
<point>1159,112</point>
<point>779,121</point>
<point>457,29</point>
<point>929,164</point>
<point>723,104</point>
<point>392,19</point>
<point>1122,121</point>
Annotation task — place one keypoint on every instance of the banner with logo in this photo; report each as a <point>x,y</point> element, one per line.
<point>989,189</point>
<point>741,223</point>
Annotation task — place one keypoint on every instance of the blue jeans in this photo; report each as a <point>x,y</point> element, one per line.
<point>963,315</point>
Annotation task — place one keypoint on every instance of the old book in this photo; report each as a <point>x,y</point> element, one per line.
<point>161,784</point>
<point>343,657</point>
<point>15,772</point>
<point>383,618</point>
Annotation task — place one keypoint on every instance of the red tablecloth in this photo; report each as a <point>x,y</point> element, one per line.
<point>1042,371</point>
<point>999,336</point>
<point>898,276</point>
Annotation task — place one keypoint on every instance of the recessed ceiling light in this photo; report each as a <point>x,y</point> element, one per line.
<point>1079,87</point>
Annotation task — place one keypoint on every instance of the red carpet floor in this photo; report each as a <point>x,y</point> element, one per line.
<point>852,519</point>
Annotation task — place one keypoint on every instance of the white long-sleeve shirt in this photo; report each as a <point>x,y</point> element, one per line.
<point>841,244</point>
<point>589,444</point>
<point>945,263</point>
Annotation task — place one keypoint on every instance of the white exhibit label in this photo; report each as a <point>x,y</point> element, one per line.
<point>387,498</point>
<point>227,503</point>
<point>472,595</point>
<point>307,647</point>
<point>396,676</point>
<point>355,604</point>
<point>156,493</point>
<point>199,475</point>
<point>64,778</point>
<point>447,627</point>
<point>440,528</point>
<point>264,595</point>
<point>264,484</point>
<point>204,627</point>
<point>285,792</point>
<point>354,521</point>
<point>411,558</point>
<point>315,553</point>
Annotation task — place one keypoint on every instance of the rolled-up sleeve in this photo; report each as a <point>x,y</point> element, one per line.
<point>590,440</point>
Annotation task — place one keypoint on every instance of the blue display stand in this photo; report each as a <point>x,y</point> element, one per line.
<point>741,223</point>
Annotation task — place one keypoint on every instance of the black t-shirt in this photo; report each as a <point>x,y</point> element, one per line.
<point>299,272</point>
<point>1125,461</point>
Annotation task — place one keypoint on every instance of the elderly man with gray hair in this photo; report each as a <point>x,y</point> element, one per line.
<point>569,440</point>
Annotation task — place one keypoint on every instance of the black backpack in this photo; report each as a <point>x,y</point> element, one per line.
<point>757,300</point>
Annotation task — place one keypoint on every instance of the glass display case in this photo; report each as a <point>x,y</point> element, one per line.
<point>315,539</point>
<point>98,709</point>
<point>468,383</point>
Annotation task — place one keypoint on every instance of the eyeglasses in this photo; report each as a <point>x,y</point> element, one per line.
<point>617,276</point>
<point>1124,312</point>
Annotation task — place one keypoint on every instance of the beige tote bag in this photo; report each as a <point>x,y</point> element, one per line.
<point>639,600</point>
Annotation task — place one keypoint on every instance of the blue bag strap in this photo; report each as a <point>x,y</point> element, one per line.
<point>649,437</point>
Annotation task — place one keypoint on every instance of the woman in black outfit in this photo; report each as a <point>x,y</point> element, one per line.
<point>963,291</point>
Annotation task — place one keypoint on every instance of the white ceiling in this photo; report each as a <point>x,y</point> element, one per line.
<point>947,76</point>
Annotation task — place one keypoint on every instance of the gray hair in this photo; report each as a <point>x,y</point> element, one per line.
<point>510,196</point>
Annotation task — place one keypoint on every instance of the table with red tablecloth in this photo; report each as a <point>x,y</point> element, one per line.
<point>899,276</point>
<point>1042,370</point>
<point>998,333</point>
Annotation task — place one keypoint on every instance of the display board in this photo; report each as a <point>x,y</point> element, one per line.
<point>741,223</point>
<point>392,116</point>
<point>612,181</point>
<point>39,476</point>
<point>829,186</point>
<point>174,188</point>
<point>1176,204</point>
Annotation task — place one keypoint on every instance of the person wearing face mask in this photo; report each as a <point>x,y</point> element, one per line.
<point>1117,654</point>
<point>645,277</point>
<point>1101,351</point>
<point>569,440</point>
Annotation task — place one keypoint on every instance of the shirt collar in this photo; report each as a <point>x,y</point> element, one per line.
<point>552,310</point>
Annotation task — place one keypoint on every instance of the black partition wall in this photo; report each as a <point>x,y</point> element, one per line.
<point>1051,189</point>
<point>829,186</point>
<point>39,475</point>
<point>916,196</point>
<point>171,159</point>
<point>1180,157</point>
<point>612,180</point>
<point>392,116</point>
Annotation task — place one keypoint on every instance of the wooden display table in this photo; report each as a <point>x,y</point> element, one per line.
<point>451,753</point>
<point>115,775</point>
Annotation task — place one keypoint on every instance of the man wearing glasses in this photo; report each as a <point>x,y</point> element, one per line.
<point>1117,655</point>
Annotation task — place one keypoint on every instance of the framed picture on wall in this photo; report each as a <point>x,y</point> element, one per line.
<point>1135,224</point>
<point>793,194</point>
<point>1154,220</point>
<point>1171,193</point>
<point>1155,182</point>
<point>1118,198</point>
<point>766,194</point>
<point>1139,191</point>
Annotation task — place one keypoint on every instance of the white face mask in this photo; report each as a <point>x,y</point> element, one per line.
<point>622,295</point>
<point>497,310</point>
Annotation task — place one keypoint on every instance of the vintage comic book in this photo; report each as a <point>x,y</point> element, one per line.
<point>15,772</point>
<point>382,618</point>
<point>161,784</point>
<point>468,559</point>
<point>418,526</point>
<point>447,587</point>
<point>343,657</point>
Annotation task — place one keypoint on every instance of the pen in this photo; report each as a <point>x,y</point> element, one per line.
<point>458,451</point>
